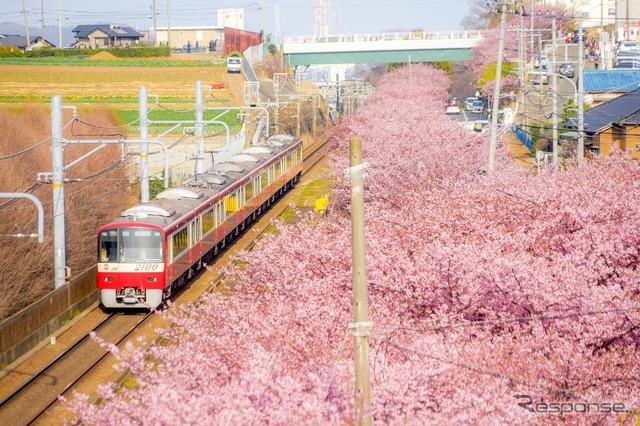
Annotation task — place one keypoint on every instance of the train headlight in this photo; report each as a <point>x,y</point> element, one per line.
<point>108,279</point>
<point>152,279</point>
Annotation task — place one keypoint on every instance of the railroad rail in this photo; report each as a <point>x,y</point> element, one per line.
<point>31,401</point>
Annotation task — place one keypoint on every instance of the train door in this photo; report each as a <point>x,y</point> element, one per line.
<point>272,180</point>
<point>264,184</point>
<point>196,238</point>
<point>221,224</point>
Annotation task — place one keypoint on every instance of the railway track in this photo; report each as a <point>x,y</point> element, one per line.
<point>35,399</point>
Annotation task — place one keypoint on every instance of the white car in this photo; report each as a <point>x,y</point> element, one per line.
<point>477,106</point>
<point>453,109</point>
<point>468,103</point>
<point>234,64</point>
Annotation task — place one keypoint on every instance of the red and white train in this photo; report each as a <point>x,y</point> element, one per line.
<point>152,249</point>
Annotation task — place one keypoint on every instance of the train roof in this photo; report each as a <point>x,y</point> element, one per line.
<point>170,206</point>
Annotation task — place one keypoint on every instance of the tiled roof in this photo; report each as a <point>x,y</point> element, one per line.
<point>19,41</point>
<point>625,109</point>
<point>83,31</point>
<point>622,80</point>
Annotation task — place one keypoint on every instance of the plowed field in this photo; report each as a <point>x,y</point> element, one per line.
<point>90,84</point>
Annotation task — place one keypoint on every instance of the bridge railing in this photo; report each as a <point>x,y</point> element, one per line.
<point>374,37</point>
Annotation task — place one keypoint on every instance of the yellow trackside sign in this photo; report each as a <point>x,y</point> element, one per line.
<point>321,203</point>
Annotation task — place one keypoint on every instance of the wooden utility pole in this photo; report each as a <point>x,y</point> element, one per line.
<point>60,43</point>
<point>361,325</point>
<point>155,26</point>
<point>26,23</point>
<point>169,23</point>
<point>496,91</point>
<point>42,10</point>
<point>554,91</point>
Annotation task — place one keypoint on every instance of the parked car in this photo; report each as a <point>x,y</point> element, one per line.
<point>628,46</point>
<point>540,61</point>
<point>540,78</point>
<point>468,103</point>
<point>566,69</point>
<point>234,64</point>
<point>477,106</point>
<point>633,64</point>
<point>453,106</point>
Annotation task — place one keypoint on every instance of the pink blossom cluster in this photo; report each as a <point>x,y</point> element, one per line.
<point>510,298</point>
<point>486,52</point>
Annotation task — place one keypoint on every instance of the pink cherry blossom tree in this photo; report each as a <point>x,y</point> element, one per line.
<point>493,298</point>
<point>482,64</point>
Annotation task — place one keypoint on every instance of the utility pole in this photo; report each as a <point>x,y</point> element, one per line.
<point>169,23</point>
<point>26,23</point>
<point>580,91</point>
<point>361,325</point>
<point>155,25</point>
<point>42,10</point>
<point>628,32</point>
<point>496,92</point>
<point>264,27</point>
<point>60,44</point>
<point>554,90</point>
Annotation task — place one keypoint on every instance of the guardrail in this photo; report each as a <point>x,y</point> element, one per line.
<point>414,35</point>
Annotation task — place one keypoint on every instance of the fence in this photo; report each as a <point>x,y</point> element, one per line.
<point>523,136</point>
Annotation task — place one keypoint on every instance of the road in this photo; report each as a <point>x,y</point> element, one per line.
<point>538,102</point>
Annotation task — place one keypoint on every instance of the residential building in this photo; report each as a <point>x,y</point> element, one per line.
<point>612,124</point>
<point>20,42</point>
<point>105,35</point>
<point>206,37</point>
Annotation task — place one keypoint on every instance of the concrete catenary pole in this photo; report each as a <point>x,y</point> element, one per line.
<point>57,156</point>
<point>361,325</point>
<point>199,167</point>
<point>496,91</point>
<point>144,146</point>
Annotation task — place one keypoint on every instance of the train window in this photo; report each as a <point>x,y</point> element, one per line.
<point>109,246</point>
<point>180,241</point>
<point>290,159</point>
<point>249,189</point>
<point>299,154</point>
<point>264,179</point>
<point>208,221</point>
<point>278,168</point>
<point>231,203</point>
<point>140,244</point>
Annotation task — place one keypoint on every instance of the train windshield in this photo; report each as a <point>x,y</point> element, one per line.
<point>126,245</point>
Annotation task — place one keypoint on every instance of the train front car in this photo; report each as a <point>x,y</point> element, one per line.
<point>131,265</point>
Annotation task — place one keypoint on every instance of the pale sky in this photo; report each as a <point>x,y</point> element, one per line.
<point>296,16</point>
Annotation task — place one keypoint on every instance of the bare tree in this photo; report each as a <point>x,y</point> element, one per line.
<point>479,17</point>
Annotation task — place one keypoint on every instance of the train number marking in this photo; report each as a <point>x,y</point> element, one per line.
<point>140,267</point>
